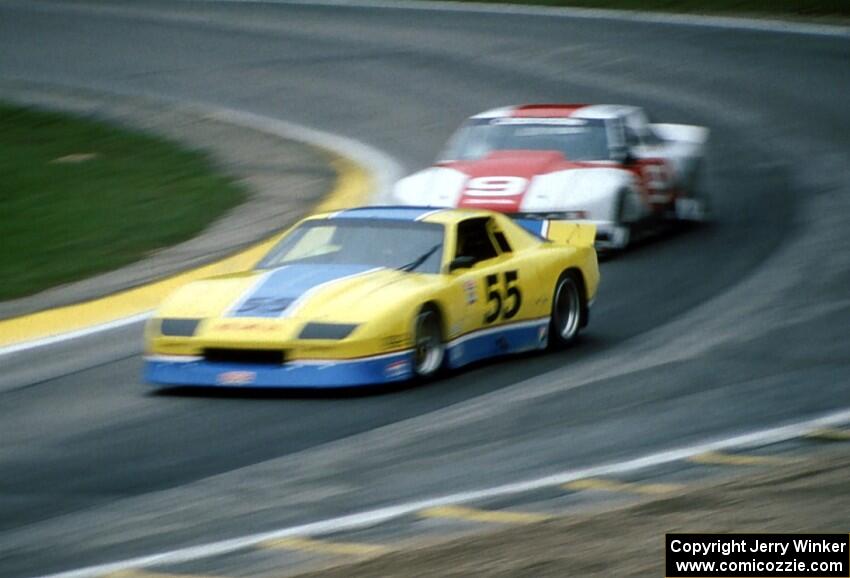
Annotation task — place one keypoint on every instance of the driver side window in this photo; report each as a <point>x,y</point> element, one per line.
<point>473,240</point>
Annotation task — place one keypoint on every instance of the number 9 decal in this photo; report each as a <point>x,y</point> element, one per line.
<point>496,186</point>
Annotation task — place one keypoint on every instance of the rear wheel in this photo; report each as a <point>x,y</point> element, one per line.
<point>428,347</point>
<point>568,310</point>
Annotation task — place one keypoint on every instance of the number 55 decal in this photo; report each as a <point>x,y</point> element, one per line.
<point>511,295</point>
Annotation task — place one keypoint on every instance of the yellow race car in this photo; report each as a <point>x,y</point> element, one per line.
<point>379,294</point>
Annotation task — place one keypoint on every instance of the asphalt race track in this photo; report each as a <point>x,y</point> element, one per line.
<point>401,81</point>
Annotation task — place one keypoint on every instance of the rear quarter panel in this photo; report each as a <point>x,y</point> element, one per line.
<point>554,259</point>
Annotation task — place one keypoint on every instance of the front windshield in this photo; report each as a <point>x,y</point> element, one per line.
<point>409,245</point>
<point>576,138</point>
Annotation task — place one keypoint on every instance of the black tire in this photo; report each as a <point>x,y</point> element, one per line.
<point>429,350</point>
<point>569,310</point>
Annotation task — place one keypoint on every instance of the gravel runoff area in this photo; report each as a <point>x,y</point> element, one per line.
<point>284,178</point>
<point>806,496</point>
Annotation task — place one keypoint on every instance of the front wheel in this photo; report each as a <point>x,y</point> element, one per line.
<point>568,310</point>
<point>429,349</point>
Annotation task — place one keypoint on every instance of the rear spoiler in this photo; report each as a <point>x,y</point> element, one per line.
<point>558,227</point>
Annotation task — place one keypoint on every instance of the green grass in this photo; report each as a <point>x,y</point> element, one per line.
<point>789,8</point>
<point>64,221</point>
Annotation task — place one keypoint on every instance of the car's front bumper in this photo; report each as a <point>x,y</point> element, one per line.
<point>184,371</point>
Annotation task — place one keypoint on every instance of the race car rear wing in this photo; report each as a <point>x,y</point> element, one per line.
<point>575,234</point>
<point>558,227</point>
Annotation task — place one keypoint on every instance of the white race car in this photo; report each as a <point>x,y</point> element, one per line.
<point>604,164</point>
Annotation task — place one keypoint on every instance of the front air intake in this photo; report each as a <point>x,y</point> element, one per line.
<point>252,356</point>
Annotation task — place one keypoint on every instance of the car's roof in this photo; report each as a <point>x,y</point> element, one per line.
<point>406,213</point>
<point>558,111</point>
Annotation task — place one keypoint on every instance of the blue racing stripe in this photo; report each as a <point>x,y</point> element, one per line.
<point>533,226</point>
<point>275,293</point>
<point>391,213</point>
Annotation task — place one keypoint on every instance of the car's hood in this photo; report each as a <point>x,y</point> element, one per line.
<point>506,181</point>
<point>518,163</point>
<point>283,299</point>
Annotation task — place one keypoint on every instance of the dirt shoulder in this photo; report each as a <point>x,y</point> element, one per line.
<point>809,496</point>
<point>285,178</point>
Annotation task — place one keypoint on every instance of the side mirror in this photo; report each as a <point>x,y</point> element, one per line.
<point>462,262</point>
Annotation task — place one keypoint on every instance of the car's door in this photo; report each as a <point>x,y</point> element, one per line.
<point>499,288</point>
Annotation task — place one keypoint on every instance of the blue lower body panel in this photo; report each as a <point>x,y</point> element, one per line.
<point>498,341</point>
<point>172,372</point>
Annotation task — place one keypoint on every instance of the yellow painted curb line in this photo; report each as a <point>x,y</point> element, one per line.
<point>830,434</point>
<point>352,187</point>
<point>139,573</point>
<point>483,516</point>
<point>724,459</point>
<point>605,485</point>
<point>326,547</point>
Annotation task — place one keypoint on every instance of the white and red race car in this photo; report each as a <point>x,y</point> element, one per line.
<point>604,164</point>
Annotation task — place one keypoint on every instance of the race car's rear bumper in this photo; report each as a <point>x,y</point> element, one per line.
<point>185,371</point>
